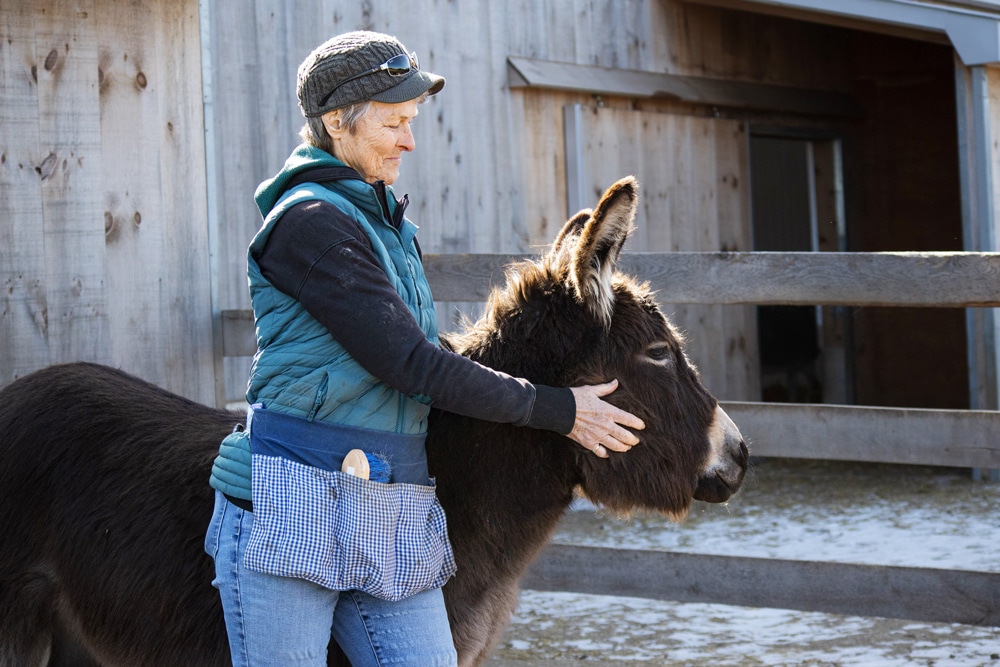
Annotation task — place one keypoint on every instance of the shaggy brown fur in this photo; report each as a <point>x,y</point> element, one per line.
<point>103,477</point>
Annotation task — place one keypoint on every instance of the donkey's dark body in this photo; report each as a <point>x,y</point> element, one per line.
<point>104,497</point>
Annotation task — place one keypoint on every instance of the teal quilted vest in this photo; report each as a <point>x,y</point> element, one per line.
<point>299,367</point>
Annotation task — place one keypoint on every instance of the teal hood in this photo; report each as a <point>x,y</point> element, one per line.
<point>303,158</point>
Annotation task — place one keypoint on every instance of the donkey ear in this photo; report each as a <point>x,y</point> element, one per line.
<point>600,243</point>
<point>572,229</point>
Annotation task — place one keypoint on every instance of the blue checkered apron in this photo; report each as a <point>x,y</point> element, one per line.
<point>314,522</point>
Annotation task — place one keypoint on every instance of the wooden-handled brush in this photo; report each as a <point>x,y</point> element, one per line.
<point>366,466</point>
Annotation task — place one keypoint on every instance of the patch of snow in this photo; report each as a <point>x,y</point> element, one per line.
<point>850,513</point>
<point>594,629</point>
<point>799,510</point>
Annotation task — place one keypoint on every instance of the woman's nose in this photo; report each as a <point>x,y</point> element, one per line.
<point>406,141</point>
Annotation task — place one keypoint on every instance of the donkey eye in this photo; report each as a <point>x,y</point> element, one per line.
<point>659,353</point>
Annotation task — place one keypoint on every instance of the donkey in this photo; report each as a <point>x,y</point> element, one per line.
<point>104,497</point>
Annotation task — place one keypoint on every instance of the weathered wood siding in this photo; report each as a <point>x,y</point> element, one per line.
<point>488,174</point>
<point>115,232</point>
<point>477,152</point>
<point>104,234</point>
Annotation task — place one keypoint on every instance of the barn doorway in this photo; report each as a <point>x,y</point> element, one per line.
<point>796,198</point>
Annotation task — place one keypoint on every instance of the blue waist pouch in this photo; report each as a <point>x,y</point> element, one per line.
<point>314,522</point>
<point>324,445</point>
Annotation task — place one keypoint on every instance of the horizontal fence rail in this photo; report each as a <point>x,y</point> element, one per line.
<point>919,594</point>
<point>936,279</point>
<point>939,279</point>
<point>916,436</point>
<point>957,438</point>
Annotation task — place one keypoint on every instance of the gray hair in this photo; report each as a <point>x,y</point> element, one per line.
<point>314,132</point>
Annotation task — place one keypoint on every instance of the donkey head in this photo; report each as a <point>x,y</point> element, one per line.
<point>576,320</point>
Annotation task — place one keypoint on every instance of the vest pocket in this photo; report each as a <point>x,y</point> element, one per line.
<point>345,533</point>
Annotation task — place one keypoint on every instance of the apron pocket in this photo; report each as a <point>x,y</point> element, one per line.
<point>345,533</point>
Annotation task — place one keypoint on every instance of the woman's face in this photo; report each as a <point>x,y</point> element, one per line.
<point>376,149</point>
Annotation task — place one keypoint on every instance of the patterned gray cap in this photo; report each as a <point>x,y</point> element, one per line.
<point>344,56</point>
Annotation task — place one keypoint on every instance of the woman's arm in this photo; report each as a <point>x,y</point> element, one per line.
<point>323,259</point>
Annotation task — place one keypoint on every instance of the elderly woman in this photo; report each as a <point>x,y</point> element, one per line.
<point>348,360</point>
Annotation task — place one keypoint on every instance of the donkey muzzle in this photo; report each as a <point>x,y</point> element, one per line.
<point>727,461</point>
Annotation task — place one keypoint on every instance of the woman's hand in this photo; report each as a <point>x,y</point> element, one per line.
<point>599,426</point>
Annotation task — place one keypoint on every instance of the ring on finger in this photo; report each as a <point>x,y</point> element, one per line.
<point>599,449</point>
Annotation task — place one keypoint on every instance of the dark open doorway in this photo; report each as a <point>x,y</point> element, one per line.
<point>901,192</point>
<point>797,206</point>
<point>904,194</point>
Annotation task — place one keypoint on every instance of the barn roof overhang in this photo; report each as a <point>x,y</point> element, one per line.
<point>972,27</point>
<point>534,73</point>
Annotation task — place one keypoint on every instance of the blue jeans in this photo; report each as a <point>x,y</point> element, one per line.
<point>286,621</point>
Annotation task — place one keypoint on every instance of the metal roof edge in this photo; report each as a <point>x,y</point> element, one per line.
<point>974,34</point>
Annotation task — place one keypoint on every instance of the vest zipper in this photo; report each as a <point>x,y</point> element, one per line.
<point>397,220</point>
<point>399,413</point>
<point>383,200</point>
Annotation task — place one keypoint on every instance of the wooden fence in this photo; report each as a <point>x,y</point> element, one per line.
<point>964,438</point>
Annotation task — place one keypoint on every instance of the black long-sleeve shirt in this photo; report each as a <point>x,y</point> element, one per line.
<point>324,259</point>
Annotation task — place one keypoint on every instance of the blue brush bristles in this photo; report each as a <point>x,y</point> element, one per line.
<point>379,470</point>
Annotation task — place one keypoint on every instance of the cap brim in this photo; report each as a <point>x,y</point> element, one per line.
<point>412,87</point>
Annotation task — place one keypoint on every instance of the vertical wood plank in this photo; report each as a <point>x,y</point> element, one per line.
<point>738,323</point>
<point>543,165</point>
<point>830,227</point>
<point>252,92</point>
<point>73,219</point>
<point>991,237</point>
<point>186,296</point>
<point>23,296</point>
<point>242,75</point>
<point>133,216</point>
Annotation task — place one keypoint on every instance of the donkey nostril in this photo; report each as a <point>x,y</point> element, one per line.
<point>744,454</point>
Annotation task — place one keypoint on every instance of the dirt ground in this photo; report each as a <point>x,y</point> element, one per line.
<point>845,512</point>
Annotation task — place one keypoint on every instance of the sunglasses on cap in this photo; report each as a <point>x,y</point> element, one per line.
<point>395,66</point>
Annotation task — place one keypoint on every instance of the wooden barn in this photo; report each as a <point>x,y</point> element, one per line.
<point>820,212</point>
<point>133,134</point>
